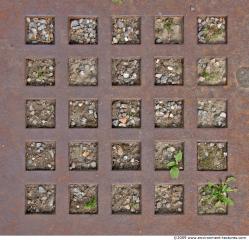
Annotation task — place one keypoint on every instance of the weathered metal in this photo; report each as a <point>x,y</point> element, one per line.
<point>13,134</point>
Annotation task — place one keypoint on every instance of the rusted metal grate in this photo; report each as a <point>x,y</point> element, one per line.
<point>100,178</point>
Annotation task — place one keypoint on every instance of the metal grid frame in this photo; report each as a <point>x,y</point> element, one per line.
<point>14,93</point>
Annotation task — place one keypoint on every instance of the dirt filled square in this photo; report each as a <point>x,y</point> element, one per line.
<point>207,204</point>
<point>83,30</point>
<point>126,30</point>
<point>169,199</point>
<point>212,156</point>
<point>165,152</point>
<point>212,113</point>
<point>40,30</point>
<point>126,113</point>
<point>168,113</point>
<point>83,199</point>
<point>40,199</point>
<point>168,30</point>
<point>126,198</point>
<point>126,71</point>
<point>126,156</point>
<point>83,113</point>
<point>83,71</point>
<point>212,71</point>
<point>83,156</point>
<point>212,29</point>
<point>40,72</point>
<point>40,113</point>
<point>40,155</point>
<point>168,71</point>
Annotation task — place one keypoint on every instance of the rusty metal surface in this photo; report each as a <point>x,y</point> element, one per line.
<point>13,134</point>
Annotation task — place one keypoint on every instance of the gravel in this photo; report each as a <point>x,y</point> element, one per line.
<point>39,30</point>
<point>126,156</point>
<point>83,31</point>
<point>165,152</point>
<point>83,156</point>
<point>40,113</point>
<point>83,199</point>
<point>168,113</point>
<point>126,113</point>
<point>126,30</point>
<point>40,72</point>
<point>40,156</point>
<point>207,205</point>
<point>83,113</point>
<point>168,71</point>
<point>83,72</point>
<point>212,113</point>
<point>168,30</point>
<point>169,199</point>
<point>126,198</point>
<point>211,29</point>
<point>126,71</point>
<point>212,156</point>
<point>212,71</point>
<point>40,199</point>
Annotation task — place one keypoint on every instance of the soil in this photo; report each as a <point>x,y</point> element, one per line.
<point>126,30</point>
<point>207,205</point>
<point>212,156</point>
<point>126,114</point>
<point>168,71</point>
<point>40,113</point>
<point>40,72</point>
<point>83,156</point>
<point>40,198</point>
<point>168,113</point>
<point>83,199</point>
<point>212,113</point>
<point>83,113</point>
<point>83,72</point>
<point>168,30</point>
<point>211,30</point>
<point>126,71</point>
<point>83,31</point>
<point>165,152</point>
<point>126,156</point>
<point>212,71</point>
<point>169,199</point>
<point>126,198</point>
<point>40,156</point>
<point>39,30</point>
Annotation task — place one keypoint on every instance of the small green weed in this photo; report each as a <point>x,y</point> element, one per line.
<point>219,192</point>
<point>117,1</point>
<point>168,24</point>
<point>91,204</point>
<point>174,166</point>
<point>209,76</point>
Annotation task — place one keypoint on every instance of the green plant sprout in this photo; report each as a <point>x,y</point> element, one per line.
<point>91,204</point>
<point>174,165</point>
<point>219,192</point>
<point>168,24</point>
<point>209,76</point>
<point>212,33</point>
<point>117,1</point>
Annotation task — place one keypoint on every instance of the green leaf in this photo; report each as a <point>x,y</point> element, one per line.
<point>230,179</point>
<point>228,201</point>
<point>171,164</point>
<point>91,204</point>
<point>178,156</point>
<point>174,172</point>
